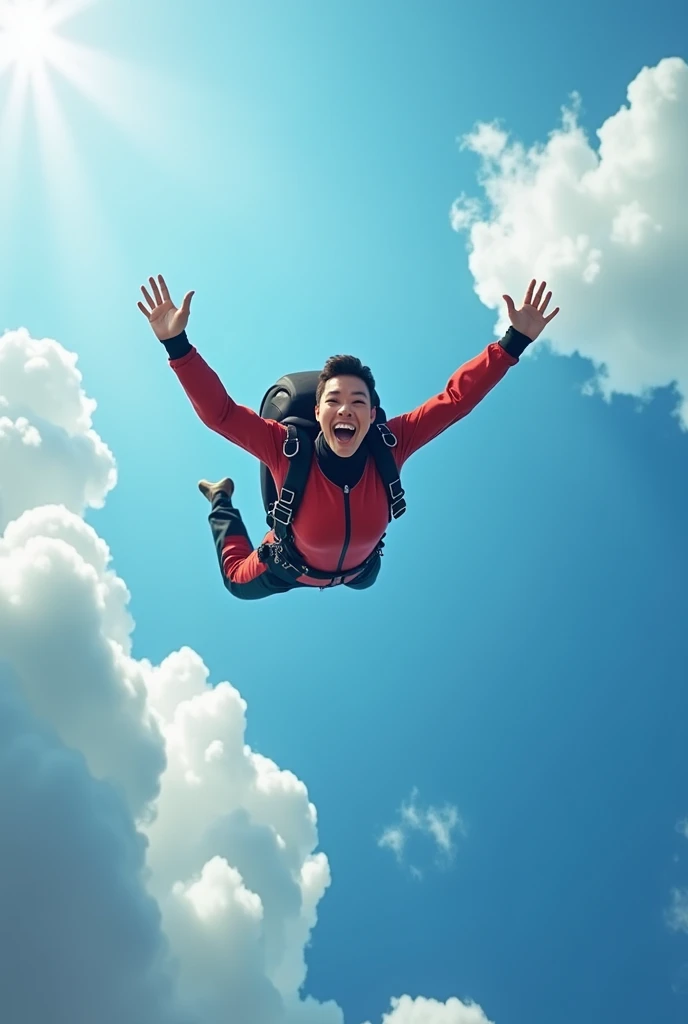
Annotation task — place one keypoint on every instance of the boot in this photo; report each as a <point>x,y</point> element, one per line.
<point>209,490</point>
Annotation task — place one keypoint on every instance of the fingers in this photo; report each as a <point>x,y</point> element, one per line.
<point>156,290</point>
<point>509,303</point>
<point>144,310</point>
<point>147,297</point>
<point>186,304</point>
<point>552,315</point>
<point>160,295</point>
<point>536,300</point>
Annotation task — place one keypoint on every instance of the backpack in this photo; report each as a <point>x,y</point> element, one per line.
<point>291,400</point>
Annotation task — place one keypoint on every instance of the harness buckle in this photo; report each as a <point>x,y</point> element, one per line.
<point>281,510</point>
<point>290,452</point>
<point>397,504</point>
<point>281,514</point>
<point>387,436</point>
<point>279,555</point>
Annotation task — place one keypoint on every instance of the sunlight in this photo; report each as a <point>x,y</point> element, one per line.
<point>48,82</point>
<point>26,33</point>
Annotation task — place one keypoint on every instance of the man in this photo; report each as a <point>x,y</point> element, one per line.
<point>337,534</point>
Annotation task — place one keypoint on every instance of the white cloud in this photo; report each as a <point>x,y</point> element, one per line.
<point>71,889</point>
<point>232,874</point>
<point>436,823</point>
<point>55,585</point>
<point>394,839</point>
<point>606,227</point>
<point>49,451</point>
<point>406,1010</point>
<point>141,836</point>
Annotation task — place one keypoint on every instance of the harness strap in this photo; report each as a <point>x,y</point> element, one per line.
<point>286,562</point>
<point>298,448</point>
<point>380,442</point>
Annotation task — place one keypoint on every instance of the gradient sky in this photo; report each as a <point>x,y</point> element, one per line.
<point>523,656</point>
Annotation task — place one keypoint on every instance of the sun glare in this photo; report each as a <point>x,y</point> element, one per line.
<point>26,33</point>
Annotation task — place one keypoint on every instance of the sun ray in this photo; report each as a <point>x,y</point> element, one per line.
<point>34,56</point>
<point>30,50</point>
<point>73,206</point>
<point>12,129</point>
<point>63,10</point>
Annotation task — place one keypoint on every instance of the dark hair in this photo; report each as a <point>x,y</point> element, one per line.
<point>350,366</point>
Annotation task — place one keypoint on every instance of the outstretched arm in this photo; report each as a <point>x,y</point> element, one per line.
<point>475,379</point>
<point>204,389</point>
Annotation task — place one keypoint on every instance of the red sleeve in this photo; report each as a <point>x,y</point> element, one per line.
<point>214,407</point>
<point>465,389</point>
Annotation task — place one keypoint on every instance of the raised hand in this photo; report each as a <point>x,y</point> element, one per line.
<point>530,319</point>
<point>166,320</point>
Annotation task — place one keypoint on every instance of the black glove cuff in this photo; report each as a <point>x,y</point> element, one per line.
<point>177,346</point>
<point>515,343</point>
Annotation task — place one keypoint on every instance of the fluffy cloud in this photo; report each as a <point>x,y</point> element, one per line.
<point>55,584</point>
<point>607,227</point>
<point>232,853</point>
<point>436,823</point>
<point>47,442</point>
<point>71,889</point>
<point>142,769</point>
<point>157,868</point>
<point>429,1011</point>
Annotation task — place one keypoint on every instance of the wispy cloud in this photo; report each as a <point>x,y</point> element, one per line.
<point>439,824</point>
<point>677,914</point>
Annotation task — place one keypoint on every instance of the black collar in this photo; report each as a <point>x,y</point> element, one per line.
<point>340,471</point>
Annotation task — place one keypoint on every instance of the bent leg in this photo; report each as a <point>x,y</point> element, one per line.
<point>243,574</point>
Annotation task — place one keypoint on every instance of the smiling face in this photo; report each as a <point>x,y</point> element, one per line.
<point>345,414</point>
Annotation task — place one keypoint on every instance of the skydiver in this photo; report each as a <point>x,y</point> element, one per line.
<point>336,536</point>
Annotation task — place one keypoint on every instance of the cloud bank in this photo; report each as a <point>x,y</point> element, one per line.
<point>153,867</point>
<point>607,227</point>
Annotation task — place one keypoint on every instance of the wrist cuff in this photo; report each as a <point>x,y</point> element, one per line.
<point>177,346</point>
<point>515,343</point>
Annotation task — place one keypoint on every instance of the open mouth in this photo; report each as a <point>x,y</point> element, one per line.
<point>344,432</point>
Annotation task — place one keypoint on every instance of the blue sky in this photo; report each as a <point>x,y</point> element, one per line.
<point>523,655</point>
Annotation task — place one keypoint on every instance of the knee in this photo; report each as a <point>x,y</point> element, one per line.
<point>235,589</point>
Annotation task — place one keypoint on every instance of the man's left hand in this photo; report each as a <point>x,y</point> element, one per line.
<point>530,319</point>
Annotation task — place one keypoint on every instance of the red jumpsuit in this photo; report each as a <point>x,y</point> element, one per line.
<point>320,526</point>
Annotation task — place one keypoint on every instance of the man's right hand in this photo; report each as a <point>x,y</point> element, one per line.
<point>166,320</point>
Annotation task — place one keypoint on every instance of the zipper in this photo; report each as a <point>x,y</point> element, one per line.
<point>347,535</point>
